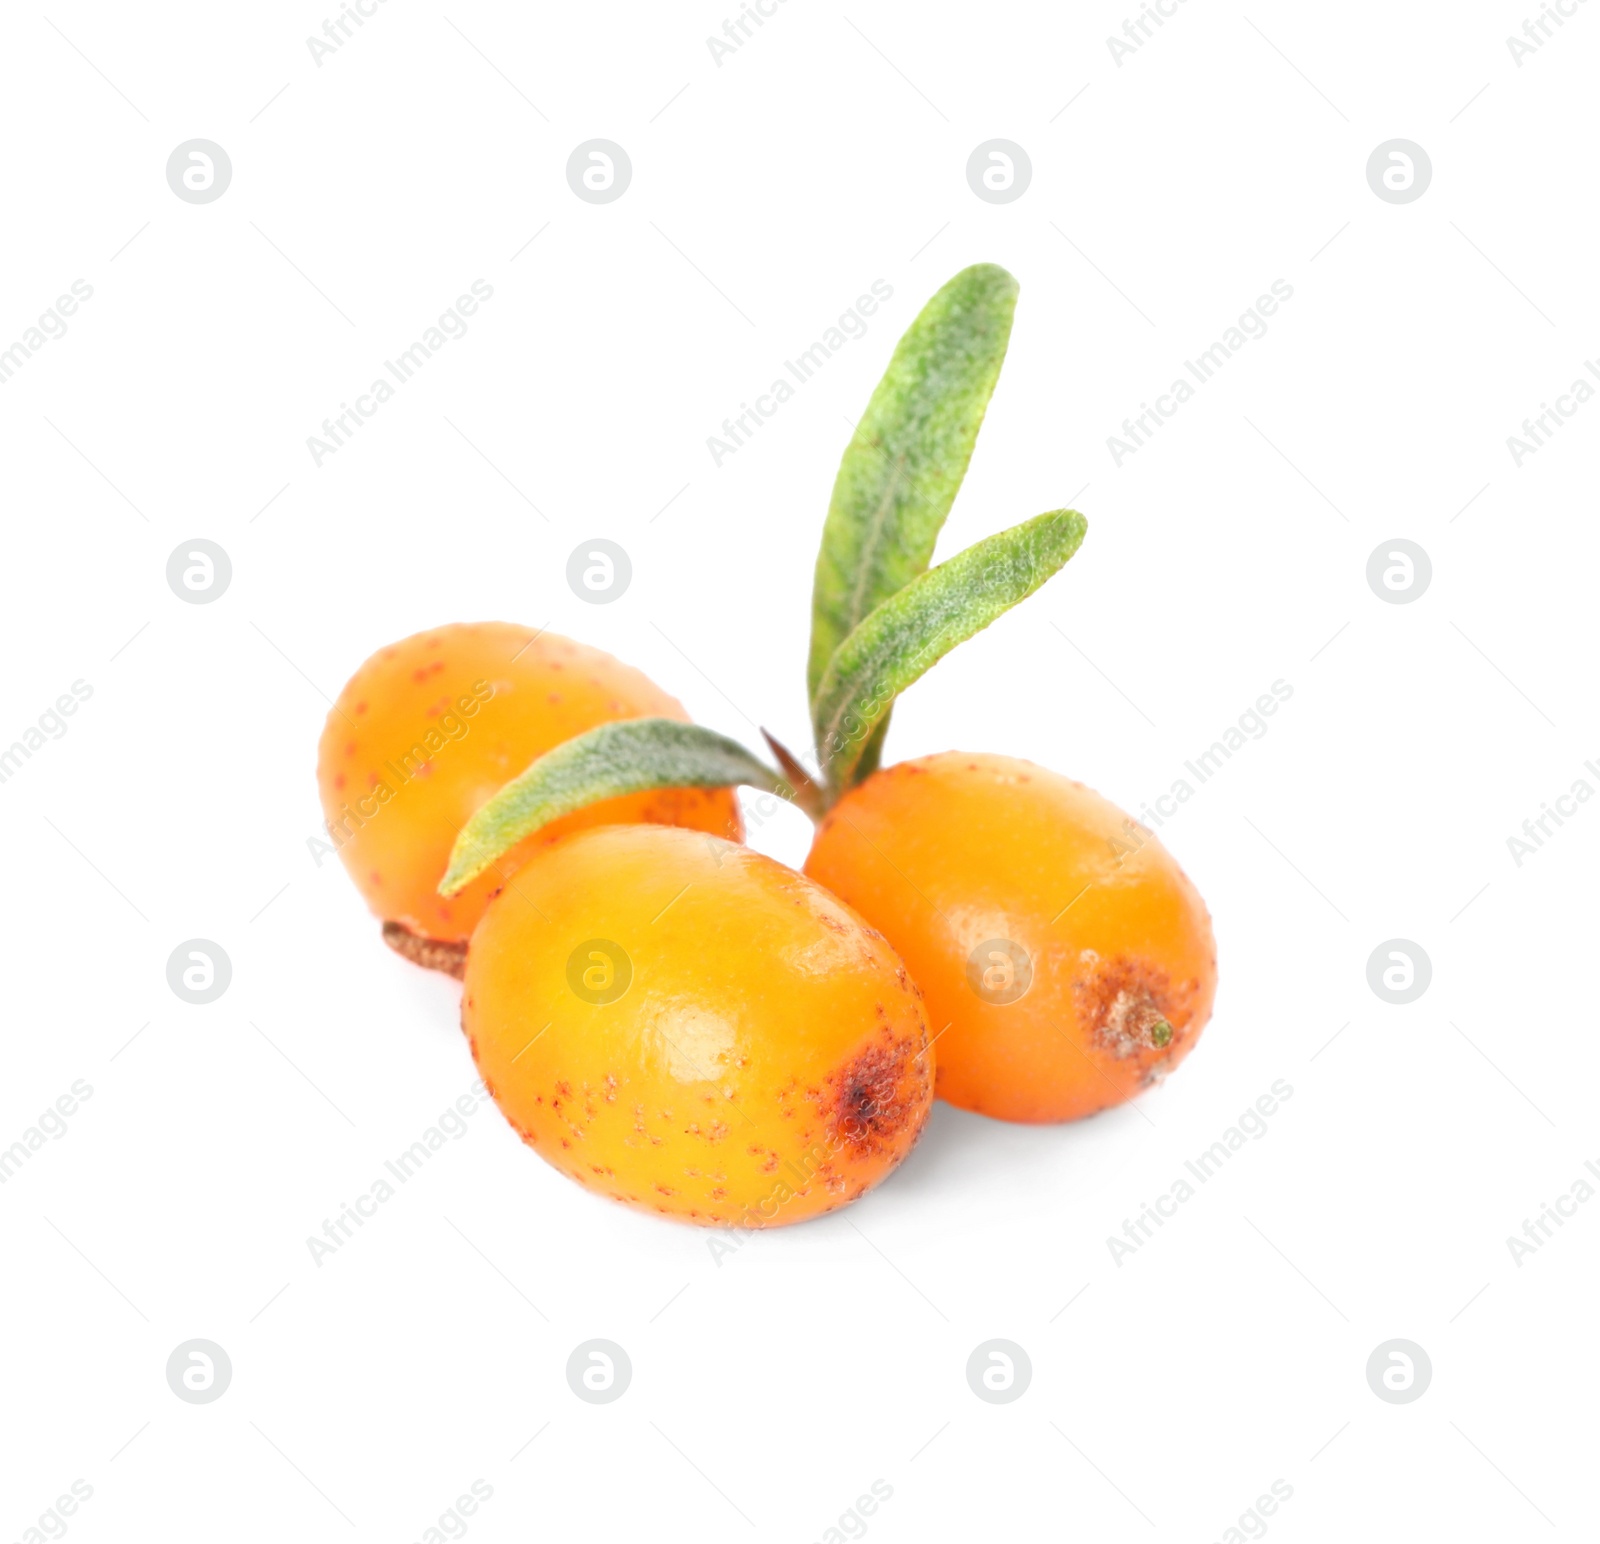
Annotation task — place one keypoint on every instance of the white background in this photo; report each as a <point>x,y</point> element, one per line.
<point>771,1389</point>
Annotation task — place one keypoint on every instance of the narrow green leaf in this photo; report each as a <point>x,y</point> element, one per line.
<point>918,626</point>
<point>630,756</point>
<point>901,471</point>
<point>872,750</point>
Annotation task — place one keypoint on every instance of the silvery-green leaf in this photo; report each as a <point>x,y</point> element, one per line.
<point>630,756</point>
<point>920,624</point>
<point>902,468</point>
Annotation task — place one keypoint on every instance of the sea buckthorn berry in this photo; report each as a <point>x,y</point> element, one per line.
<point>428,728</point>
<point>687,1026</point>
<point>1068,954</point>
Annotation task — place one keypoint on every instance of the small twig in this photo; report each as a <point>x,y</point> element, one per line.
<point>806,793</point>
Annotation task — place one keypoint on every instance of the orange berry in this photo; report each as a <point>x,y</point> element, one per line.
<point>1067,960</point>
<point>687,1026</point>
<point>428,728</point>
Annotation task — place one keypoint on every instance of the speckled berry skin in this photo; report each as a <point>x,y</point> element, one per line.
<point>430,727</point>
<point>767,1060</point>
<point>947,854</point>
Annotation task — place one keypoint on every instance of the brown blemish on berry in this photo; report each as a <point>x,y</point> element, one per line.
<point>870,1102</point>
<point>1124,1002</point>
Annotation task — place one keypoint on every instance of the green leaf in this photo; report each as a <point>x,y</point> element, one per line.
<point>630,756</point>
<point>918,626</point>
<point>901,471</point>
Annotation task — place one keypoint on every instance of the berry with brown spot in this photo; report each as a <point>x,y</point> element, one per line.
<point>1067,960</point>
<point>685,973</point>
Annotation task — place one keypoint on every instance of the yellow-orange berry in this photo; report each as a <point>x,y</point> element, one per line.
<point>687,1026</point>
<point>430,727</point>
<point>1067,960</point>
